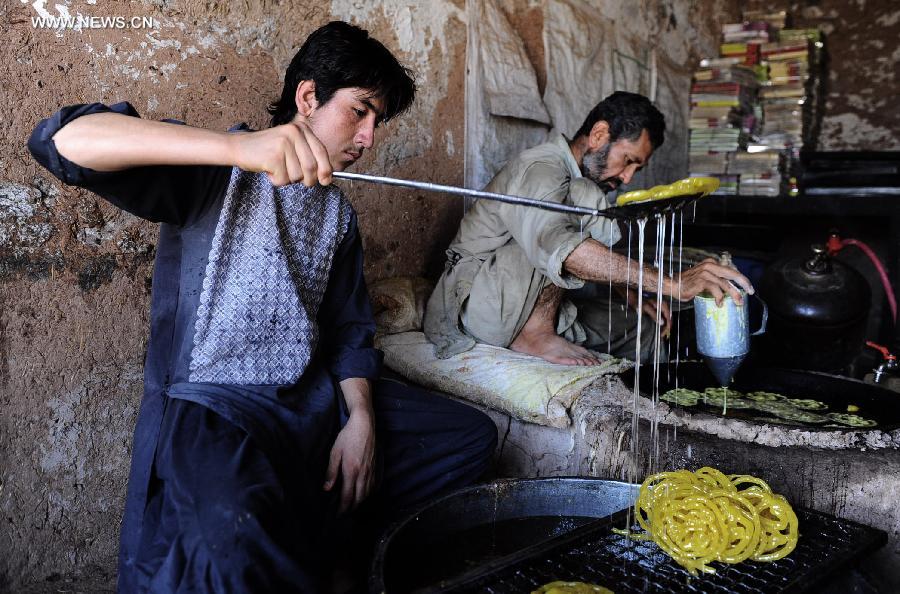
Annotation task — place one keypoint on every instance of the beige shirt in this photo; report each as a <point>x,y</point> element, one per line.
<point>504,254</point>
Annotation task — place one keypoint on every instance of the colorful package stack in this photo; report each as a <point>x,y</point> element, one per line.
<point>759,95</point>
<point>790,96</point>
<point>760,172</point>
<point>723,104</point>
<point>746,32</point>
<point>717,140</point>
<point>804,71</point>
<point>784,94</point>
<point>749,53</point>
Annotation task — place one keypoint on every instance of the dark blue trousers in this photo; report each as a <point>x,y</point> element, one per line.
<point>226,515</point>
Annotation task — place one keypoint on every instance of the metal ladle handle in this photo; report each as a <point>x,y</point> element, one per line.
<point>430,187</point>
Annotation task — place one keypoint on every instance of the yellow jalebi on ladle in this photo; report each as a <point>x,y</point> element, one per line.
<point>704,516</point>
<point>682,187</point>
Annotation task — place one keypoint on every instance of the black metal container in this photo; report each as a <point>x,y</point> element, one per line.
<point>470,527</point>
<point>818,308</point>
<point>836,392</point>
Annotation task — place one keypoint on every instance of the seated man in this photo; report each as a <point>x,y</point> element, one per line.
<point>262,394</point>
<point>509,266</point>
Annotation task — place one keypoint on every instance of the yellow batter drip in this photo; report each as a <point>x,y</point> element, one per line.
<point>704,516</point>
<point>571,588</point>
<point>683,187</point>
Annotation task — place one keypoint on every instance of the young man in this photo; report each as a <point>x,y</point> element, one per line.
<point>509,267</point>
<point>262,398</point>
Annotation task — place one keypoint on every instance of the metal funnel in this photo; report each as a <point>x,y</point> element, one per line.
<point>724,368</point>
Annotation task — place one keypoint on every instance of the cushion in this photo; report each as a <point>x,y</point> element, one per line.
<point>399,303</point>
<point>525,387</point>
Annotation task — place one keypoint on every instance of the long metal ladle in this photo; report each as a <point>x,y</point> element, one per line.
<point>631,211</point>
<point>430,187</point>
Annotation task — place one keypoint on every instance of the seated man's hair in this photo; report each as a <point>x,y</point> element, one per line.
<point>627,115</point>
<point>341,55</point>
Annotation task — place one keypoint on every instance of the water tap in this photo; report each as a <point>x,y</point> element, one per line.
<point>888,365</point>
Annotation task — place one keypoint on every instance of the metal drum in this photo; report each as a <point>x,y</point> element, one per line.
<point>819,310</point>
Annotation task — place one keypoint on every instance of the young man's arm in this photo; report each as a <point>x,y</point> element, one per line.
<point>353,453</point>
<point>347,330</point>
<point>172,194</point>
<point>594,261</point>
<point>113,142</point>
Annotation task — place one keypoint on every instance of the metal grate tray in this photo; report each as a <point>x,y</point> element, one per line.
<point>649,208</point>
<point>594,554</point>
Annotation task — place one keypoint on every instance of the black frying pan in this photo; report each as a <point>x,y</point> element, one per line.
<point>874,402</point>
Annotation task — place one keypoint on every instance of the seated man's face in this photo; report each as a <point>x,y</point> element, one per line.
<point>614,164</point>
<point>346,124</point>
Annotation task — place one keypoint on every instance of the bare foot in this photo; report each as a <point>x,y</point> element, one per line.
<point>538,336</point>
<point>552,347</point>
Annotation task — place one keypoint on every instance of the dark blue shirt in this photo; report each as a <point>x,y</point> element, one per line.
<point>285,419</point>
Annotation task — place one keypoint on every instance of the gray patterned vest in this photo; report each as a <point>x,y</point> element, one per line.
<point>266,276</point>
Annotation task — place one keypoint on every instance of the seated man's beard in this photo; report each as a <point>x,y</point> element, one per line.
<point>593,165</point>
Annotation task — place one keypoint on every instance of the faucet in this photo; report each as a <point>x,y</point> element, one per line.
<point>888,366</point>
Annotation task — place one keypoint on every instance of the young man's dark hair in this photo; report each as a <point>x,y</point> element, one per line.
<point>341,55</point>
<point>627,115</point>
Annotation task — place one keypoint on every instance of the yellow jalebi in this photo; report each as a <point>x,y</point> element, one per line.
<point>682,187</point>
<point>704,516</point>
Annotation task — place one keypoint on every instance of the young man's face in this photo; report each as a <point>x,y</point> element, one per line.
<point>346,124</point>
<point>614,164</point>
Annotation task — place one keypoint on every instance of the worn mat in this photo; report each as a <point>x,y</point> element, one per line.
<point>525,387</point>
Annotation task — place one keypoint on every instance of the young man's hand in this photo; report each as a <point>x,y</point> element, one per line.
<point>713,278</point>
<point>353,453</point>
<point>289,154</point>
